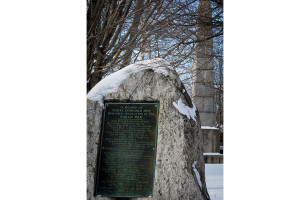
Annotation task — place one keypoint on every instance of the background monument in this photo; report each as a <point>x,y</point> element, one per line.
<point>203,91</point>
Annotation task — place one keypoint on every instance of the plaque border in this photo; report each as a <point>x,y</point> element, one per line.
<point>101,140</point>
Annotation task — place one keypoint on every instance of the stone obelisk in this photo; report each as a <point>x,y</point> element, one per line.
<point>203,92</point>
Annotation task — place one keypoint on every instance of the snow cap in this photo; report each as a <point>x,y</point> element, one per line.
<point>111,83</point>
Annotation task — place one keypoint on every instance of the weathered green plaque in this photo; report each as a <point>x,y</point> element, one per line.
<point>126,164</point>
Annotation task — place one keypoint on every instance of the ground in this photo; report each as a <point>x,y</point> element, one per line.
<point>214,180</point>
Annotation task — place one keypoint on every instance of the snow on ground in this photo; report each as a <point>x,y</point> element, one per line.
<point>214,180</point>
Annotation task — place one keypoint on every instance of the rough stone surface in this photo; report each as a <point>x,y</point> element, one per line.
<point>179,141</point>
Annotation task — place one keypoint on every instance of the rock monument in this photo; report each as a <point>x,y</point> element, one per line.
<point>179,165</point>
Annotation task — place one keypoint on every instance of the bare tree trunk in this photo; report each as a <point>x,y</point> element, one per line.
<point>142,52</point>
<point>133,32</point>
<point>149,49</point>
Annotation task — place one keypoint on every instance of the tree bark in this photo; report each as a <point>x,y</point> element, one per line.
<point>133,32</point>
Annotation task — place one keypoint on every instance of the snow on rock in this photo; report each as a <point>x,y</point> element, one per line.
<point>112,82</point>
<point>185,110</point>
<point>197,174</point>
<point>209,127</point>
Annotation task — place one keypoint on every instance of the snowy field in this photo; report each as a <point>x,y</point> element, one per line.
<point>214,180</point>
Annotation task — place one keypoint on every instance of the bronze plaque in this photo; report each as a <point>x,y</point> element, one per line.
<point>126,164</point>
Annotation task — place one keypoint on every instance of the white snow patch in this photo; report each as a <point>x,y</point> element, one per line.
<point>185,110</point>
<point>197,174</point>
<point>112,82</point>
<point>209,127</point>
<point>212,154</point>
<point>214,180</point>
